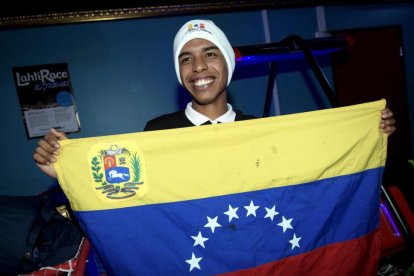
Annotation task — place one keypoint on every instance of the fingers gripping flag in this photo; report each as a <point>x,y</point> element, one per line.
<point>289,195</point>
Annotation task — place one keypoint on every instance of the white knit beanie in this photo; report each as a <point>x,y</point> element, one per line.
<point>206,29</point>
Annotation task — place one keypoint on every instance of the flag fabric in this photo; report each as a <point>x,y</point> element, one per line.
<point>296,194</point>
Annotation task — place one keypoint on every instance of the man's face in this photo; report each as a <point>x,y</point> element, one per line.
<point>203,71</point>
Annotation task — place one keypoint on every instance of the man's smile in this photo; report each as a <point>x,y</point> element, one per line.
<point>203,82</point>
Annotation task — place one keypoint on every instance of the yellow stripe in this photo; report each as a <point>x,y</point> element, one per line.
<point>198,162</point>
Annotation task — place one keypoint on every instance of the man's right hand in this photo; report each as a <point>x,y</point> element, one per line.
<point>47,151</point>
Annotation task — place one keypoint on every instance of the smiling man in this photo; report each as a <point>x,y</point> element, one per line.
<point>204,62</point>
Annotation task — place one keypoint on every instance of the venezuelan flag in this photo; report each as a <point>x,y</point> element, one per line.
<point>289,195</point>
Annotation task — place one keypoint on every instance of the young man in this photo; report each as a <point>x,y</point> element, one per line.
<point>204,62</point>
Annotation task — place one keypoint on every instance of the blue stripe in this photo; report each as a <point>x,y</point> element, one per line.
<point>156,239</point>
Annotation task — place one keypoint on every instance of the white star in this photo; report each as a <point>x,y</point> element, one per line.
<point>199,239</point>
<point>232,213</point>
<point>271,213</point>
<point>285,224</point>
<point>212,223</point>
<point>295,241</point>
<point>194,262</point>
<point>251,209</point>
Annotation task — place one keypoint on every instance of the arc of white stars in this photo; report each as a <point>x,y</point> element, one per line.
<point>271,213</point>
<point>295,241</point>
<point>194,262</point>
<point>232,213</point>
<point>251,209</point>
<point>199,239</point>
<point>212,223</point>
<point>285,224</point>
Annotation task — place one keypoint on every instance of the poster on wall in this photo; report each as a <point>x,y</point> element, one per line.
<point>46,99</point>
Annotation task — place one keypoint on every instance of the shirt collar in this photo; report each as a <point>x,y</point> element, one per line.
<point>197,118</point>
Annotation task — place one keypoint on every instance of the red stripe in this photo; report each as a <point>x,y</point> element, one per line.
<point>356,257</point>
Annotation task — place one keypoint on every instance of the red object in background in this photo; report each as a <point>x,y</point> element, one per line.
<point>403,206</point>
<point>393,239</point>
<point>75,266</point>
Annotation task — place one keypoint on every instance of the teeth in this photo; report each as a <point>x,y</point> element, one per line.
<point>202,82</point>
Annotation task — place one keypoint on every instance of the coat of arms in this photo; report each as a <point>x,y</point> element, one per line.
<point>117,171</point>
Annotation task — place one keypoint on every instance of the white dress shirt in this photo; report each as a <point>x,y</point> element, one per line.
<point>198,119</point>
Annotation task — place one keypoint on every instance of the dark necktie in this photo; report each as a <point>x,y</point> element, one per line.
<point>209,123</point>
<point>206,123</point>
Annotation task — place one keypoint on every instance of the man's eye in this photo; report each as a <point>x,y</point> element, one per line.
<point>211,54</point>
<point>185,60</point>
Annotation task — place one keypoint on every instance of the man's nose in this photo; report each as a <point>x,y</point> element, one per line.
<point>199,64</point>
